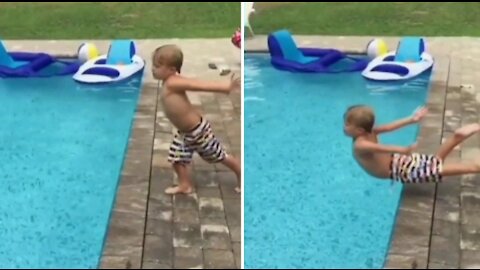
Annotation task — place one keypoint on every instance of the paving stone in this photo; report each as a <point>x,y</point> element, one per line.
<point>416,261</point>
<point>186,201</point>
<point>187,216</point>
<point>470,238</point>
<point>211,207</point>
<point>233,211</point>
<point>433,265</point>
<point>411,234</point>
<point>125,230</point>
<point>218,259</point>
<point>216,236</point>
<point>160,209</point>
<point>188,258</point>
<point>155,265</point>
<point>208,192</point>
<point>470,259</point>
<point>158,250</point>
<point>187,236</point>
<point>445,250</point>
<point>471,182</point>
<point>213,221</point>
<point>132,199</point>
<point>162,178</point>
<point>115,262</point>
<point>160,228</point>
<point>237,253</point>
<point>470,207</point>
<point>205,179</point>
<point>228,183</point>
<point>160,159</point>
<point>447,210</point>
<point>236,233</point>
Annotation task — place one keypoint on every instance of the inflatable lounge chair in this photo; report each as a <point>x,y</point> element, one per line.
<point>119,64</point>
<point>25,64</point>
<point>409,61</point>
<point>287,56</point>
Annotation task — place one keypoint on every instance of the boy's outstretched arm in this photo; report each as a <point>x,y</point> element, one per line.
<point>415,118</point>
<point>188,84</point>
<point>366,146</point>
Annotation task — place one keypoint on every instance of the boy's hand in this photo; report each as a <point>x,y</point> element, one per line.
<point>419,113</point>
<point>234,84</point>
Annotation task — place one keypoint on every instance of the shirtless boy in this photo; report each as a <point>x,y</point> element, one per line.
<point>194,131</point>
<point>397,162</point>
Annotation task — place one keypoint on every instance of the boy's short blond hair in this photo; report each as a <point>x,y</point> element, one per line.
<point>169,55</point>
<point>361,116</point>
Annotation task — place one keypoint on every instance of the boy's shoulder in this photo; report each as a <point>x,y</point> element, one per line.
<point>176,81</point>
<point>362,139</point>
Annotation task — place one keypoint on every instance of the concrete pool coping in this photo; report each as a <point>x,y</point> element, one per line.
<point>435,223</point>
<point>148,229</point>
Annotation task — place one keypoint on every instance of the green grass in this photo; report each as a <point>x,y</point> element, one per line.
<point>379,19</point>
<point>118,20</point>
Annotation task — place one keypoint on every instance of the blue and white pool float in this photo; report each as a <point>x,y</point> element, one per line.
<point>119,64</point>
<point>409,61</point>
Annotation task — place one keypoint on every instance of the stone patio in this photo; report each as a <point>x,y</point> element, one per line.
<point>437,224</point>
<point>147,228</point>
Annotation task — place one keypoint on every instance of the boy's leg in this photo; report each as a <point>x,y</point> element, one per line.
<point>459,169</point>
<point>219,155</point>
<point>460,135</point>
<point>234,164</point>
<point>185,183</point>
<point>212,151</point>
<point>180,155</point>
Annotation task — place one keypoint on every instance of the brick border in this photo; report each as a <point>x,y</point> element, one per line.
<point>124,242</point>
<point>411,238</point>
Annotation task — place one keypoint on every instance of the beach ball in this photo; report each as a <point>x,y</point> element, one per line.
<point>87,51</point>
<point>376,47</point>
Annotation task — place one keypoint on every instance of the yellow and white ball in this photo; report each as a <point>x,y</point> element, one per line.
<point>376,47</point>
<point>87,51</point>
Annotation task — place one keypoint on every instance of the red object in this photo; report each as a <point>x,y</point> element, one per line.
<point>237,39</point>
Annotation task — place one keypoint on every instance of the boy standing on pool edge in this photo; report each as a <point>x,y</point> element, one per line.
<point>194,132</point>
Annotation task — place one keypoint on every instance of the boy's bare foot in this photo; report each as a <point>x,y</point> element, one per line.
<point>178,190</point>
<point>467,130</point>
<point>238,190</point>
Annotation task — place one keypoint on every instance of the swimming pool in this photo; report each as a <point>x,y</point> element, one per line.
<point>61,153</point>
<point>307,203</point>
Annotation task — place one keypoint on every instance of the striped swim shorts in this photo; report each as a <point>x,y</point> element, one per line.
<point>416,168</point>
<point>201,140</point>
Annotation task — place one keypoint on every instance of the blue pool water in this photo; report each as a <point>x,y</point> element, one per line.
<point>307,203</point>
<point>61,153</point>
